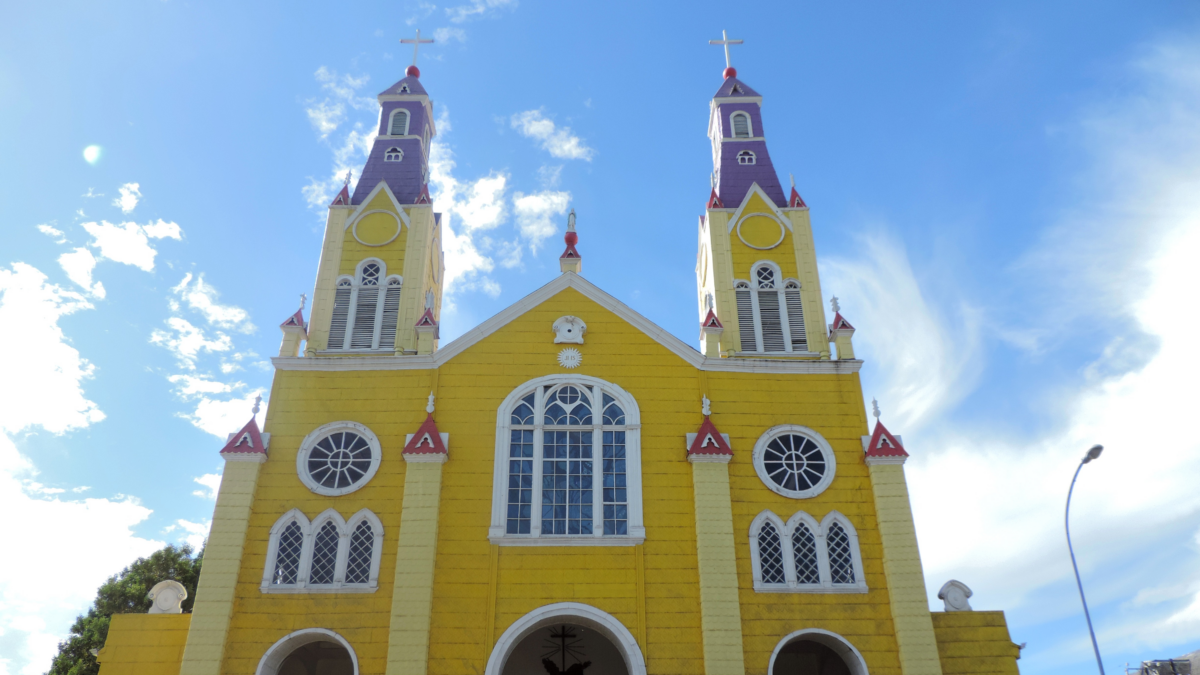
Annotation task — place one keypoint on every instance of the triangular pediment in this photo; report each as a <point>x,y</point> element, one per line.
<point>757,201</point>
<point>381,198</point>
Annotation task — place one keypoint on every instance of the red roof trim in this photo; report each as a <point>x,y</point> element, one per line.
<point>839,322</point>
<point>343,197</point>
<point>570,253</point>
<point>884,444</point>
<point>427,440</point>
<point>714,202</point>
<point>709,441</point>
<point>795,201</point>
<point>296,319</point>
<point>711,321</point>
<point>248,440</point>
<point>423,197</point>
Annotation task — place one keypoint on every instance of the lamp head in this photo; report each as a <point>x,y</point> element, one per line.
<point>1093,453</point>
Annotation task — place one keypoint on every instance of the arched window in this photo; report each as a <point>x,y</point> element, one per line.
<point>568,467</point>
<point>393,155</point>
<point>802,556</point>
<point>330,555</point>
<point>745,158</point>
<point>770,317</point>
<point>399,123</point>
<point>740,122</point>
<point>361,318</point>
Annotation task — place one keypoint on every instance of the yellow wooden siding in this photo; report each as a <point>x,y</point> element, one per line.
<point>744,256</point>
<point>144,644</point>
<point>975,643</point>
<point>353,251</point>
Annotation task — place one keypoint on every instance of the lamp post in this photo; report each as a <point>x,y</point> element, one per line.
<point>1092,453</point>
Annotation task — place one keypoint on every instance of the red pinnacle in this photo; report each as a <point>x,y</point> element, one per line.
<point>413,71</point>
<point>729,72</point>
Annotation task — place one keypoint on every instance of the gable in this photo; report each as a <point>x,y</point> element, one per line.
<point>377,229</point>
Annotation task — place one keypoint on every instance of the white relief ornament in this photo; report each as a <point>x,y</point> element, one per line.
<point>166,597</point>
<point>569,330</point>
<point>570,358</point>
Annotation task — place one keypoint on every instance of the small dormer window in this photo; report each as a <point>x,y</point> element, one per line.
<point>740,122</point>
<point>745,158</point>
<point>403,89</point>
<point>736,90</point>
<point>396,154</point>
<point>399,123</point>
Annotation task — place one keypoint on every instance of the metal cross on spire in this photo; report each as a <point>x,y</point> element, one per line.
<point>416,43</point>
<point>875,407</point>
<point>257,401</point>
<point>725,42</point>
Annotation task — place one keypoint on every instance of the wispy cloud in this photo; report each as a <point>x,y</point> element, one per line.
<point>210,482</point>
<point>558,141</point>
<point>424,9</point>
<point>186,341</point>
<point>537,213</point>
<point>129,243</point>
<point>50,231</point>
<point>350,147</point>
<point>447,35</point>
<point>130,194</point>
<point>202,297</point>
<point>478,9</point>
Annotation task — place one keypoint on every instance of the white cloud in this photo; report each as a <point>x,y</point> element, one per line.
<point>129,243</point>
<point>221,418</point>
<point>478,9</point>
<point>550,176</point>
<point>50,371</point>
<point>211,482</point>
<point>51,231</point>
<point>446,35</point>
<point>186,341</point>
<point>202,297</point>
<point>130,194</point>
<point>194,533</point>
<point>189,386</point>
<point>558,141</point>
<point>78,265</point>
<point>536,214</point>
<point>327,116</point>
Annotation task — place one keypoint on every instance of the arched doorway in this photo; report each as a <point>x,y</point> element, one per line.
<point>567,635</point>
<point>312,651</point>
<point>816,652</point>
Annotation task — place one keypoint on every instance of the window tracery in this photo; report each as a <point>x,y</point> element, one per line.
<point>802,556</point>
<point>326,555</point>
<point>338,458</point>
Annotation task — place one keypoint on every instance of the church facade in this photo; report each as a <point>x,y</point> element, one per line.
<point>567,487</point>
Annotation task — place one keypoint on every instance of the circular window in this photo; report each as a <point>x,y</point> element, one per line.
<point>794,461</point>
<point>338,458</point>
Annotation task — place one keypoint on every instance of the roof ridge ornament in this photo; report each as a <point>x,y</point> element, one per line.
<point>429,405</point>
<point>705,405</point>
<point>730,71</point>
<point>416,43</point>
<point>570,260</point>
<point>875,407</point>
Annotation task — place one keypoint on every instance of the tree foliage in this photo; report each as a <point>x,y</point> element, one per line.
<point>124,593</point>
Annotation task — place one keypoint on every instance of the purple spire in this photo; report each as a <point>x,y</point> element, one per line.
<point>740,156</point>
<point>400,155</point>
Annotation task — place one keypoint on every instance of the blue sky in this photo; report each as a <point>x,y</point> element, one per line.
<point>1005,197</point>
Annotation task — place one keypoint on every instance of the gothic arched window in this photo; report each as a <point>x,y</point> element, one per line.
<point>399,123</point>
<point>361,318</point>
<point>567,464</point>
<point>740,122</point>
<point>329,555</point>
<point>802,556</point>
<point>770,315</point>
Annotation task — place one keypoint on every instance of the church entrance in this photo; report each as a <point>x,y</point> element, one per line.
<point>318,658</point>
<point>816,652</point>
<point>565,649</point>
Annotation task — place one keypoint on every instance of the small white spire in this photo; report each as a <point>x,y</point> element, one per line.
<point>303,300</point>
<point>429,406</point>
<point>257,402</point>
<point>705,406</point>
<point>571,221</point>
<point>834,303</point>
<point>348,173</point>
<point>875,407</point>
<point>793,179</point>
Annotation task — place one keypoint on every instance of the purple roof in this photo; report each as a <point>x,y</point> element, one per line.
<point>414,88</point>
<point>405,177</point>
<point>728,85</point>
<point>733,178</point>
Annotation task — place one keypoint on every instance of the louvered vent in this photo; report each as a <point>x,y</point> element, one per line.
<point>341,313</point>
<point>796,321</point>
<point>741,125</point>
<point>399,123</point>
<point>772,325</point>
<point>391,317</point>
<point>362,334</point>
<point>746,321</point>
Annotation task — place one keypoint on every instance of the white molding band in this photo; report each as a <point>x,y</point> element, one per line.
<point>848,652</point>
<point>568,612</point>
<point>274,657</point>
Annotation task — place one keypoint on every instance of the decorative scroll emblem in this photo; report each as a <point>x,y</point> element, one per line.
<point>569,330</point>
<point>570,358</point>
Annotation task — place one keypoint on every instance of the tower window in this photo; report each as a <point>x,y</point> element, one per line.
<point>745,157</point>
<point>366,316</point>
<point>770,318</point>
<point>339,555</point>
<point>803,556</point>
<point>741,125</point>
<point>396,154</point>
<point>399,123</point>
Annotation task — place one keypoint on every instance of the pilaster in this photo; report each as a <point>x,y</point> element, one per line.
<point>902,568</point>
<point>327,274</point>
<point>416,553</point>
<point>723,276</point>
<point>810,282</point>
<point>416,274</point>
<point>720,607</point>
<point>222,559</point>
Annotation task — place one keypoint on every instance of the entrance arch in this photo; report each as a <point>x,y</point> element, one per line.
<point>317,644</point>
<point>802,649</point>
<point>573,613</point>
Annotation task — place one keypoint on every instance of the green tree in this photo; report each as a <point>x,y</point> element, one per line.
<point>122,594</point>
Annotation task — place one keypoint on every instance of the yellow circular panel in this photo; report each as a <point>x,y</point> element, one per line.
<point>761,231</point>
<point>377,228</point>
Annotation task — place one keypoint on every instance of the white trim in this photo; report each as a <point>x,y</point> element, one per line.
<point>737,99</point>
<point>256,457</point>
<point>321,432</point>
<point>733,126</point>
<point>860,582</point>
<point>848,652</point>
<point>399,228</point>
<point>561,282</point>
<point>782,230</point>
<point>747,153</point>
<point>360,210</point>
<point>744,140</point>
<point>573,612</point>
<point>596,387</point>
<point>756,189</point>
<point>770,434</point>
<point>756,557</point>
<point>273,547</point>
<point>283,648</point>
<point>392,120</point>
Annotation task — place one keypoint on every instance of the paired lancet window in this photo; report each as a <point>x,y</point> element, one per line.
<point>399,123</point>
<point>366,309</point>
<point>327,554</point>
<point>770,315</point>
<point>745,158</point>
<point>740,122</point>
<point>567,465</point>
<point>393,155</point>
<point>802,556</point>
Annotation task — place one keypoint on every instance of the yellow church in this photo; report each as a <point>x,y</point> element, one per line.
<point>566,488</point>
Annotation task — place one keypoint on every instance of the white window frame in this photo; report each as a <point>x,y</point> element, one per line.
<point>749,154</point>
<point>310,530</point>
<point>321,432</point>
<point>771,434</point>
<point>733,125</point>
<point>352,312</point>
<point>387,155</point>
<point>497,532</point>
<point>781,285</point>
<point>392,118</point>
<point>819,530</point>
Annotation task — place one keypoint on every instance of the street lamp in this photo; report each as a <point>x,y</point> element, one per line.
<point>1092,453</point>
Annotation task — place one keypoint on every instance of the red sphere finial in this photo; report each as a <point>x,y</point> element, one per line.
<point>571,238</point>
<point>413,71</point>
<point>730,72</point>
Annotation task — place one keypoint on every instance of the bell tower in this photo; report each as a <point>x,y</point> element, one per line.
<point>756,268</point>
<point>382,265</point>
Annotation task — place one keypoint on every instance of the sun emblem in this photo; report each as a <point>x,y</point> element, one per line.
<point>570,358</point>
